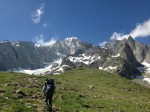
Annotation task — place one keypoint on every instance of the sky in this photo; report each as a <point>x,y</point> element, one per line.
<point>92,21</point>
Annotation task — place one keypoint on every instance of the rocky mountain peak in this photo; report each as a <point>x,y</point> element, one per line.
<point>130,38</point>
<point>131,42</point>
<point>127,53</point>
<point>71,39</point>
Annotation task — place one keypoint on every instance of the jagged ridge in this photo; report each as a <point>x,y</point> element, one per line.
<point>123,57</point>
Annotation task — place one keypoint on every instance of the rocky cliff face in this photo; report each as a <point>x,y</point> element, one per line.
<point>8,56</point>
<point>140,51</point>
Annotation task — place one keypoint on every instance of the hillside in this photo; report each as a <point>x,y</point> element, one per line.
<point>79,90</point>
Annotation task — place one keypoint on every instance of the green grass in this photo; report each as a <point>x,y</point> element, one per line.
<point>80,90</point>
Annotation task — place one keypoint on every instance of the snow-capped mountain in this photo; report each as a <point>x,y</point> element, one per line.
<point>126,57</point>
<point>27,55</point>
<point>123,63</point>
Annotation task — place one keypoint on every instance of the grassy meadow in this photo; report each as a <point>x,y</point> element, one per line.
<point>79,90</point>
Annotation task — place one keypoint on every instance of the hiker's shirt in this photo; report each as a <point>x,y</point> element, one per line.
<point>48,88</point>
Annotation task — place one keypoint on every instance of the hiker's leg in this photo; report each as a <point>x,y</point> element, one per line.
<point>49,106</point>
<point>51,97</point>
<point>50,100</point>
<point>47,100</point>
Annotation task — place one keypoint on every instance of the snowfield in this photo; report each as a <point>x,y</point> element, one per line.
<point>84,59</point>
<point>110,68</point>
<point>101,68</point>
<point>55,70</point>
<point>145,69</point>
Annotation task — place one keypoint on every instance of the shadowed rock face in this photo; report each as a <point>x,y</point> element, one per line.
<point>8,56</point>
<point>130,63</point>
<point>140,50</point>
<point>127,53</point>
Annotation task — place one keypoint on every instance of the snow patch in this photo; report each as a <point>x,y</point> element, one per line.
<point>144,78</point>
<point>99,57</point>
<point>110,67</point>
<point>78,59</point>
<point>84,59</point>
<point>100,68</point>
<point>147,80</point>
<point>116,55</point>
<point>58,54</point>
<point>146,64</point>
<point>147,67</point>
<point>16,44</point>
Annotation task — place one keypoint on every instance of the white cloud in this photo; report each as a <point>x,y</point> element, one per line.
<point>118,36</point>
<point>141,30</point>
<point>39,41</point>
<point>44,25</point>
<point>36,16</point>
<point>103,43</point>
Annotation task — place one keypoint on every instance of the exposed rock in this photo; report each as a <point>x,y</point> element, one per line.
<point>34,96</point>
<point>54,65</point>
<point>140,51</point>
<point>61,97</point>
<point>87,106</point>
<point>20,93</point>
<point>2,91</point>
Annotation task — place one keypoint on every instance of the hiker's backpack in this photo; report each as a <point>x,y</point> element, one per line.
<point>49,86</point>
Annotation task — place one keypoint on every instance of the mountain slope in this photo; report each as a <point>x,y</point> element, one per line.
<point>123,63</point>
<point>83,89</point>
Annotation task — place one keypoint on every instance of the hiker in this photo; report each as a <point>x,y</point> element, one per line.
<point>48,90</point>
